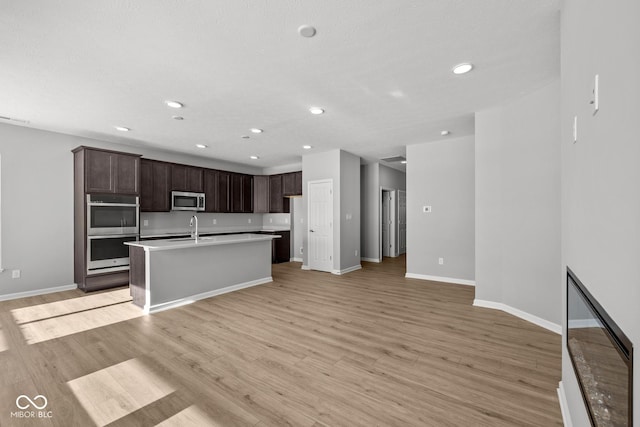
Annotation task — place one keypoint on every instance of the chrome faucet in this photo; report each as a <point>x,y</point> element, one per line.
<point>195,235</point>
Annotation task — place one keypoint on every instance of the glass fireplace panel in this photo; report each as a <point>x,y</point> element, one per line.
<point>601,357</point>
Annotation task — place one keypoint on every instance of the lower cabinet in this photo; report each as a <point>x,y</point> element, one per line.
<point>280,247</point>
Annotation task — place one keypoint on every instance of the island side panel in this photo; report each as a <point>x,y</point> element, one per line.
<point>178,274</point>
<point>137,275</point>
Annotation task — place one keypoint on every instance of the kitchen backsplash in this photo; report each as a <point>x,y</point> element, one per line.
<point>155,223</point>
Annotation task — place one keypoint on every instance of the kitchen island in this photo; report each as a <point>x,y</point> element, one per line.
<point>172,272</point>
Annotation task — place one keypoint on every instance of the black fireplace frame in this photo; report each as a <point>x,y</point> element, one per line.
<point>618,339</point>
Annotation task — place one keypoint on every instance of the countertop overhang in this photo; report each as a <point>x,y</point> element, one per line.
<point>181,243</point>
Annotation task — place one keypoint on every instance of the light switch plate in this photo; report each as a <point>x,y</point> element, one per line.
<point>596,94</point>
<point>575,129</point>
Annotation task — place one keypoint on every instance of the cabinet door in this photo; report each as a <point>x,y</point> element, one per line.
<point>99,170</point>
<point>210,181</point>
<point>146,185</point>
<point>186,178</point>
<point>297,183</point>
<point>275,194</point>
<point>161,187</point>
<point>236,192</point>
<point>260,194</point>
<point>127,169</point>
<point>224,184</point>
<point>282,246</point>
<point>247,193</point>
<point>288,184</point>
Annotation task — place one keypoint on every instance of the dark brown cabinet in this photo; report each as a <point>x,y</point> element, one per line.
<point>280,247</point>
<point>99,171</point>
<point>110,172</point>
<point>277,202</point>
<point>247,193</point>
<point>186,178</point>
<point>210,184</point>
<point>292,184</point>
<point>223,199</point>
<point>261,194</point>
<point>241,193</point>
<point>155,186</point>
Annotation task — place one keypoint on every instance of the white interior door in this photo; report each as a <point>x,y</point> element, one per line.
<point>385,224</point>
<point>320,222</point>
<point>402,222</point>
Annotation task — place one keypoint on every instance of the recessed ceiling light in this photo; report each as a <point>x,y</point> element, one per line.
<point>254,157</point>
<point>316,110</point>
<point>122,128</point>
<point>174,104</point>
<point>404,162</point>
<point>256,130</point>
<point>307,147</point>
<point>201,146</point>
<point>177,117</point>
<point>445,133</point>
<point>465,67</point>
<point>306,31</point>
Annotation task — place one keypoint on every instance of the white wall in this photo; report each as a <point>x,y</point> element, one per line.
<point>392,178</point>
<point>441,174</point>
<point>297,228</point>
<point>37,203</point>
<point>344,169</point>
<point>370,219</point>
<point>349,210</point>
<point>601,172</point>
<point>518,204</point>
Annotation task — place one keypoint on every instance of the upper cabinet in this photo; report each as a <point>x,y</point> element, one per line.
<point>261,194</point>
<point>186,178</point>
<point>155,184</point>
<point>292,184</point>
<point>241,193</point>
<point>108,171</point>
<point>277,202</point>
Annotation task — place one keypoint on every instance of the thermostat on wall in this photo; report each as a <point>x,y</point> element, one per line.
<point>426,209</point>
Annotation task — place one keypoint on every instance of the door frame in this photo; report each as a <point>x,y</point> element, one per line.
<point>309,183</point>
<point>392,231</point>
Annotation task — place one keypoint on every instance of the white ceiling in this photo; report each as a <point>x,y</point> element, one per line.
<point>381,70</point>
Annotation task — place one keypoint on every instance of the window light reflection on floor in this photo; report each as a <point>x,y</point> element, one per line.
<point>189,417</point>
<point>4,345</point>
<point>58,319</point>
<point>114,392</point>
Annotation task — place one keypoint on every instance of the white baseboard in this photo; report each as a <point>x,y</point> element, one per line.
<point>305,267</point>
<point>553,327</point>
<point>347,270</point>
<point>38,292</point>
<point>371,259</point>
<point>295,260</point>
<point>564,406</point>
<point>441,279</point>
<point>188,300</point>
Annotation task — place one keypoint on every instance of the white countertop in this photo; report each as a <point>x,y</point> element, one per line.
<point>185,242</point>
<point>218,230</point>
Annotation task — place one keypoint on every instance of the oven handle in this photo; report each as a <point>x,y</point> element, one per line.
<point>110,236</point>
<point>113,204</point>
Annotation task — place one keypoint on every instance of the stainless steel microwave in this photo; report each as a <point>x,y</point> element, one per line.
<point>185,201</point>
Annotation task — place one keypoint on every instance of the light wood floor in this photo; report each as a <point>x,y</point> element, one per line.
<point>369,348</point>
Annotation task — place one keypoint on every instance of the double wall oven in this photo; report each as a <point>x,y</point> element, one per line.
<point>111,220</point>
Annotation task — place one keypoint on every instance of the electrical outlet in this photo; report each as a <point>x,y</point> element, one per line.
<point>286,220</point>
<point>441,261</point>
<point>270,220</point>
<point>249,220</point>
<point>15,274</point>
<point>575,129</point>
<point>356,252</point>
<point>426,209</point>
<point>215,221</point>
<point>301,250</point>
<point>145,223</point>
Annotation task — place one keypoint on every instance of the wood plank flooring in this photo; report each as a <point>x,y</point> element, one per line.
<point>369,348</point>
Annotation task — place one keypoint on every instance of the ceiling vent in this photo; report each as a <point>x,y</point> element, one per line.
<point>394,159</point>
